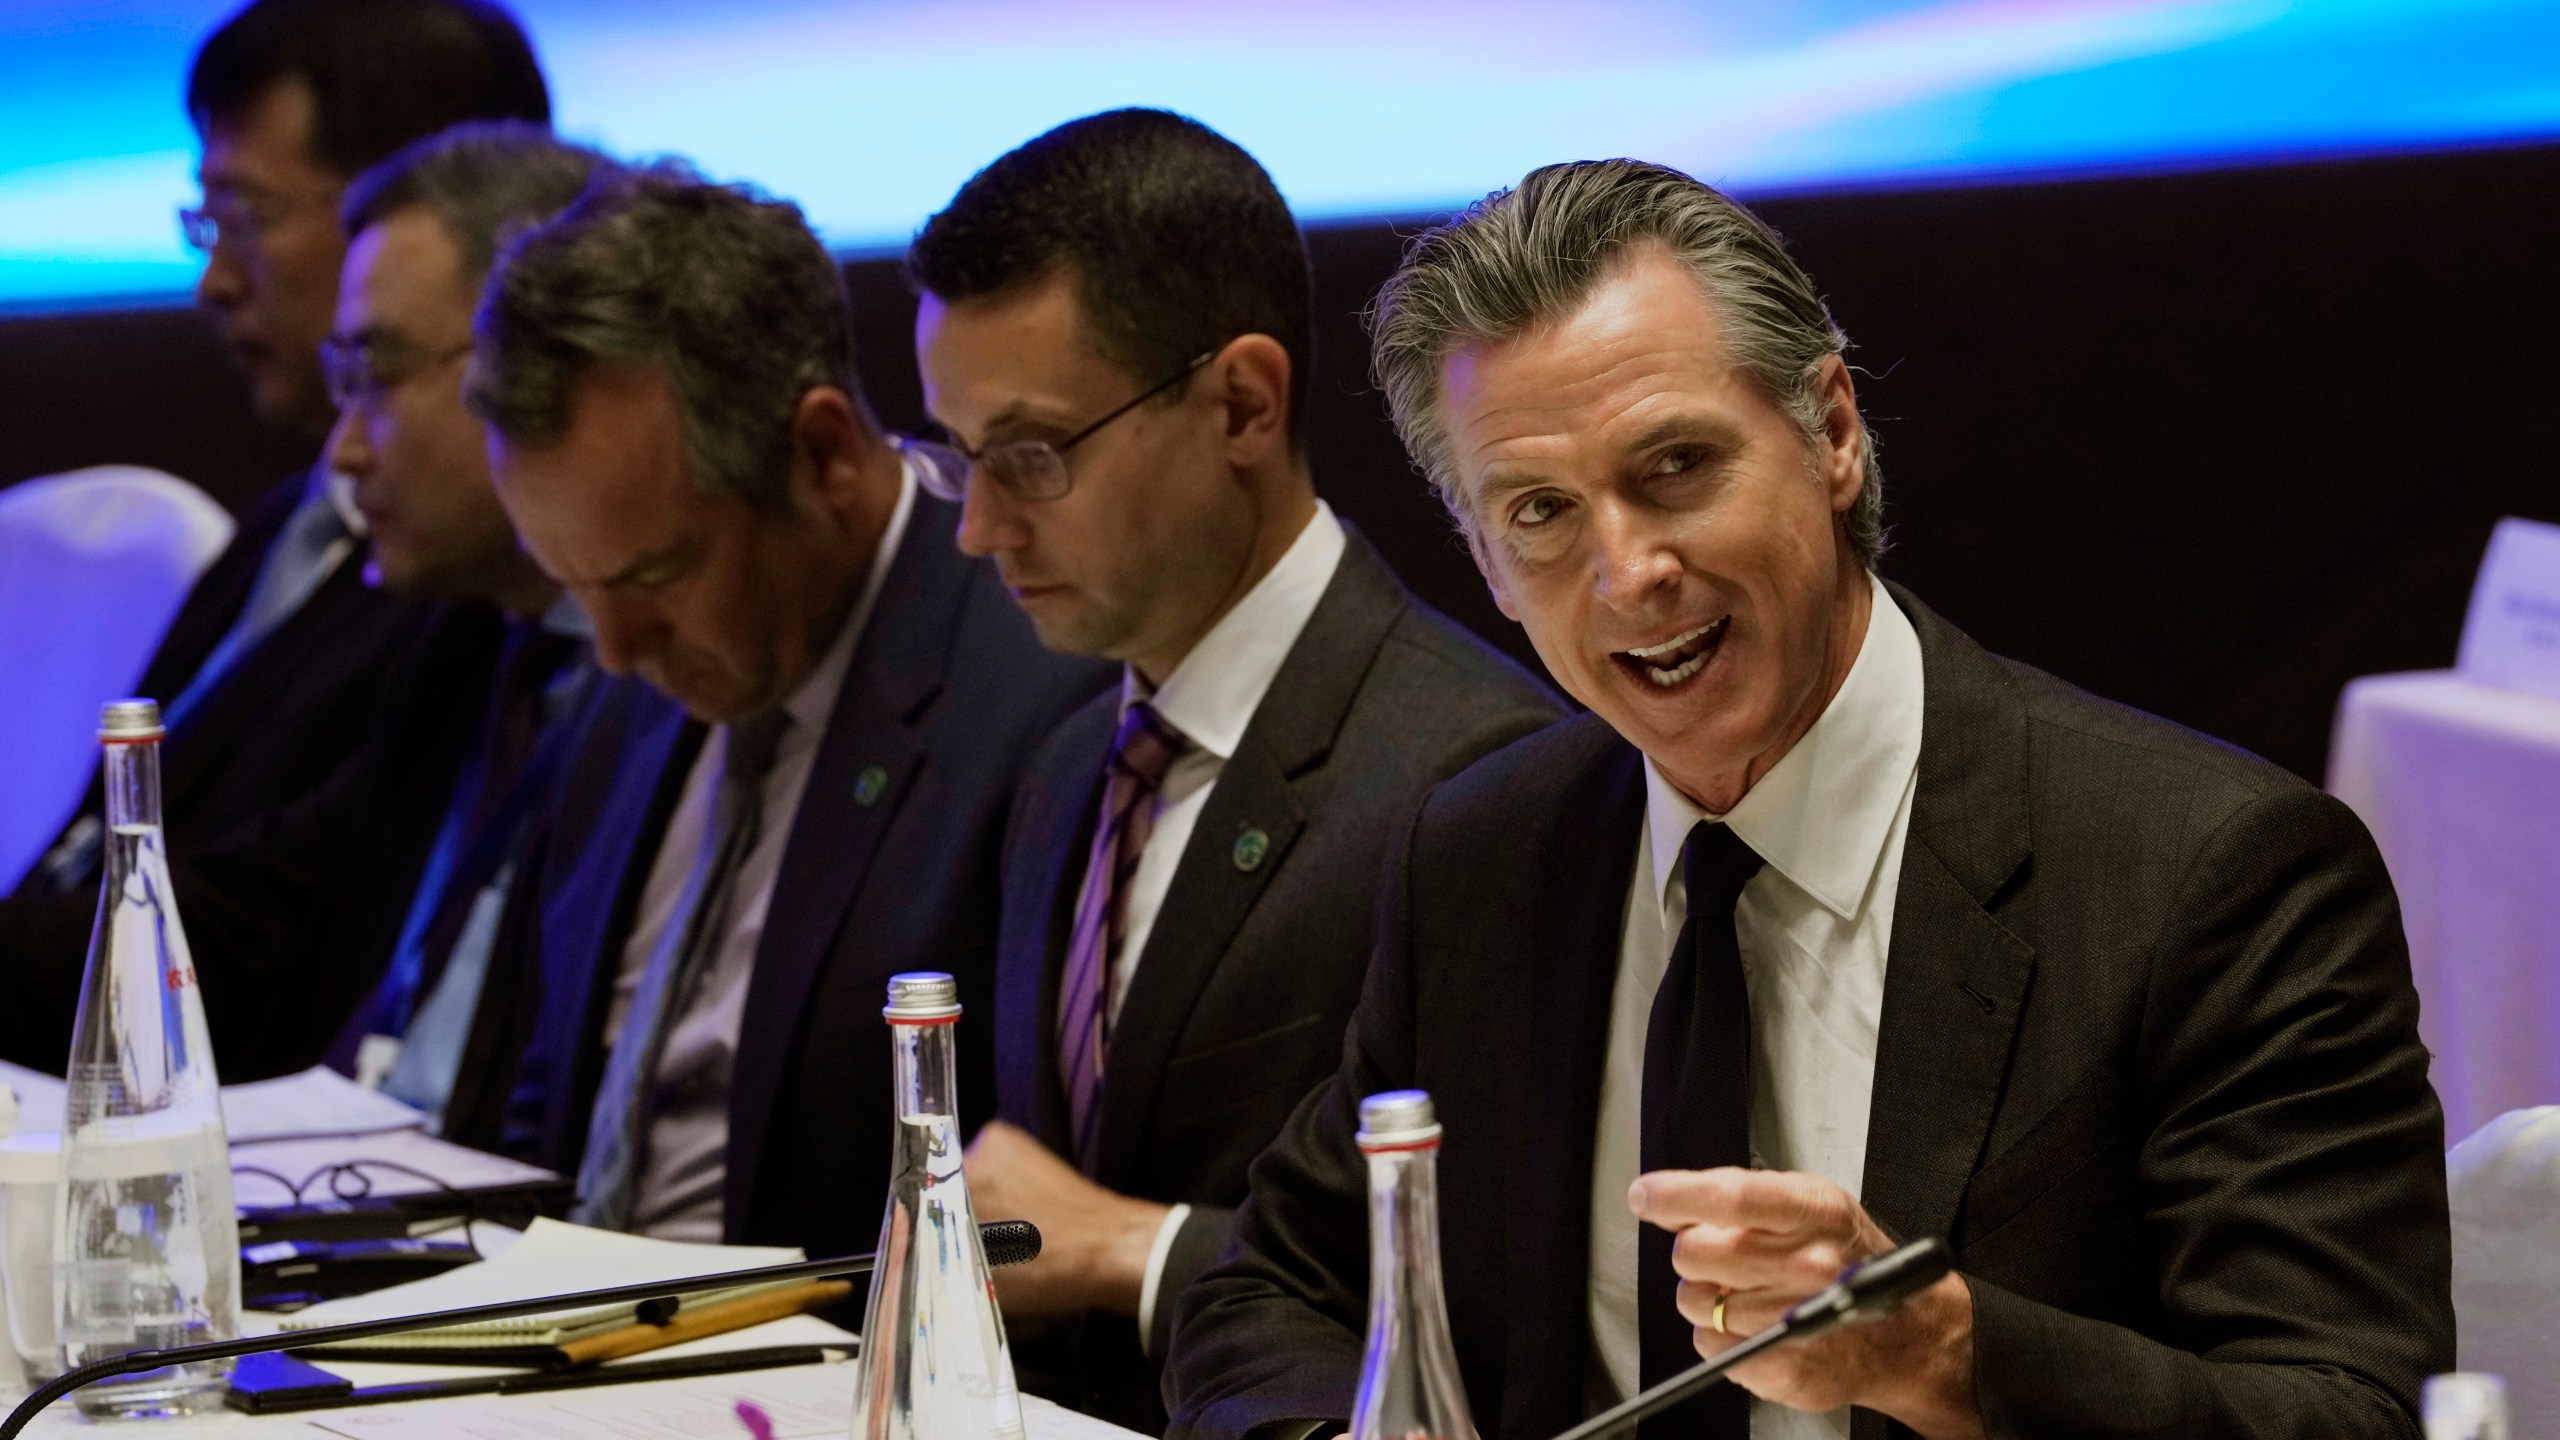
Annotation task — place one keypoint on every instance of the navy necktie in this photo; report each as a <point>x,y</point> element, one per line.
<point>1697,1111</point>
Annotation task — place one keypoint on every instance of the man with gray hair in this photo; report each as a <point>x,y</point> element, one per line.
<point>1825,930</point>
<point>424,228</point>
<point>807,794</point>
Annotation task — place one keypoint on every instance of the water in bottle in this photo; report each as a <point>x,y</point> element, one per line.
<point>146,1246</point>
<point>2465,1406</point>
<point>1409,1384</point>
<point>934,1363</point>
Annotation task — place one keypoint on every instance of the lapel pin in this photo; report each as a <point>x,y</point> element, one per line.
<point>870,785</point>
<point>1251,846</point>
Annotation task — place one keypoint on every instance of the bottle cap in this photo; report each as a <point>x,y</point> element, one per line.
<point>123,722</point>
<point>922,996</point>
<point>1398,1120</point>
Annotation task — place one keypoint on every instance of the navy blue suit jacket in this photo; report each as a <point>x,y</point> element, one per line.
<point>892,865</point>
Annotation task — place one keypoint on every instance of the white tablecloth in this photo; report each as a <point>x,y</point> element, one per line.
<point>2461,786</point>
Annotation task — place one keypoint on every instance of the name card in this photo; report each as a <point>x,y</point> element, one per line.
<point>2511,638</point>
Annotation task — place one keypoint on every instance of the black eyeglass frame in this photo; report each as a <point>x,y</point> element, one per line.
<point>347,369</point>
<point>944,484</point>
<point>205,229</point>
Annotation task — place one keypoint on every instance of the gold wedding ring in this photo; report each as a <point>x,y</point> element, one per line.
<point>1715,1317</point>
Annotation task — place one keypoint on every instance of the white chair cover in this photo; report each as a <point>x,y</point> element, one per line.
<point>2505,1184</point>
<point>93,563</point>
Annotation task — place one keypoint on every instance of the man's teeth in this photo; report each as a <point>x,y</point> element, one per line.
<point>1667,646</point>
<point>1677,673</point>
<point>1666,676</point>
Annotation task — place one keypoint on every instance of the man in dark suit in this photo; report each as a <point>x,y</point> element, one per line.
<point>284,664</point>
<point>426,225</point>
<point>807,794</point>
<point>1825,929</point>
<point>1115,317</point>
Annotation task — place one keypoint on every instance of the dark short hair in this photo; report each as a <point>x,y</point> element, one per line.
<point>1177,241</point>
<point>484,182</point>
<point>722,291</point>
<point>382,72</point>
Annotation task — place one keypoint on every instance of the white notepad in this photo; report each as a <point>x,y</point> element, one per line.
<point>553,1258</point>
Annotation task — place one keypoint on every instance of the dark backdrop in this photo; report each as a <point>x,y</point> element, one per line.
<point>2211,444</point>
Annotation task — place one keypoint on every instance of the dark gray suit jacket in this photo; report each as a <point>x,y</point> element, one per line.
<point>2148,1061</point>
<point>1240,998</point>
<point>359,692</point>
<point>891,866</point>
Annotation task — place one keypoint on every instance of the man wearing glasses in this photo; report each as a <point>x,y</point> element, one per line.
<point>795,786</point>
<point>425,227</point>
<point>1115,327</point>
<point>272,674</point>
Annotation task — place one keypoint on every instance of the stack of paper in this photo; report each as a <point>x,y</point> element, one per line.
<point>315,1104</point>
<point>553,1258</point>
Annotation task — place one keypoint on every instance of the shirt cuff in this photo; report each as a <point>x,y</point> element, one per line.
<point>1155,1275</point>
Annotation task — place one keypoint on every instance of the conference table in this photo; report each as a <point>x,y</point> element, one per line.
<point>803,1402</point>
<point>2460,784</point>
<point>290,1126</point>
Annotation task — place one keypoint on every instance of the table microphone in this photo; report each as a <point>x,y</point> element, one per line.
<point>1864,1291</point>
<point>1008,1242</point>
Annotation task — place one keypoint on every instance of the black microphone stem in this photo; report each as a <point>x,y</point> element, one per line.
<point>1863,1291</point>
<point>1007,1242</point>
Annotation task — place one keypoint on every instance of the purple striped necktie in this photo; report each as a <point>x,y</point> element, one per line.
<point>1141,750</point>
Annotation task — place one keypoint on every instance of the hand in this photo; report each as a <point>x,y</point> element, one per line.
<point>1764,1240</point>
<point>1094,1245</point>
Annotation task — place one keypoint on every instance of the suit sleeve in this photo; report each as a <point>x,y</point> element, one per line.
<point>1273,1334</point>
<point>2292,1181</point>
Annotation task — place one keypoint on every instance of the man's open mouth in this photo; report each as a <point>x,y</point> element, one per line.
<point>1676,659</point>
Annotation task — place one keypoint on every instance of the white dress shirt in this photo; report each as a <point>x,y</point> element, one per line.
<point>685,1172</point>
<point>1210,697</point>
<point>1813,925</point>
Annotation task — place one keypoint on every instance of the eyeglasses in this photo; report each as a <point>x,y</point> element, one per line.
<point>362,372</point>
<point>239,220</point>
<point>1029,469</point>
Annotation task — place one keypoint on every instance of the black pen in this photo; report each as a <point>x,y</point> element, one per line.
<point>274,1392</point>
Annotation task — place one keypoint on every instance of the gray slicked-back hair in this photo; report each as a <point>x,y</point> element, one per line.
<point>725,293</point>
<point>484,182</point>
<point>1536,252</point>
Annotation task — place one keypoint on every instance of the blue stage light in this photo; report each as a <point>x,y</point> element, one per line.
<point>871,114</point>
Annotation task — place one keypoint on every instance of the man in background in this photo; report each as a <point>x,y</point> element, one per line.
<point>424,230</point>
<point>1116,323</point>
<point>796,785</point>
<point>274,672</point>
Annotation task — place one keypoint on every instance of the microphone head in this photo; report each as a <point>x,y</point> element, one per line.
<point>1878,1285</point>
<point>1010,1242</point>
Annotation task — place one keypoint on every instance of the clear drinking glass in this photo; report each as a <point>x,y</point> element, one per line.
<point>2465,1406</point>
<point>934,1362</point>
<point>146,1249</point>
<point>1409,1383</point>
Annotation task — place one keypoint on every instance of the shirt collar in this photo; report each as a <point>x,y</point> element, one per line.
<point>813,703</point>
<point>1211,696</point>
<point>1824,814</point>
<point>567,618</point>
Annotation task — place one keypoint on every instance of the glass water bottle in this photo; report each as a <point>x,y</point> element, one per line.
<point>146,1248</point>
<point>934,1363</point>
<point>2465,1406</point>
<point>1409,1385</point>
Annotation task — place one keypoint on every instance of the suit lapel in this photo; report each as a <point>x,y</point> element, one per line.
<point>1048,853</point>
<point>1956,977</point>
<point>1223,871</point>
<point>242,698</point>
<point>858,781</point>
<point>1559,1037</point>
<point>647,746</point>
